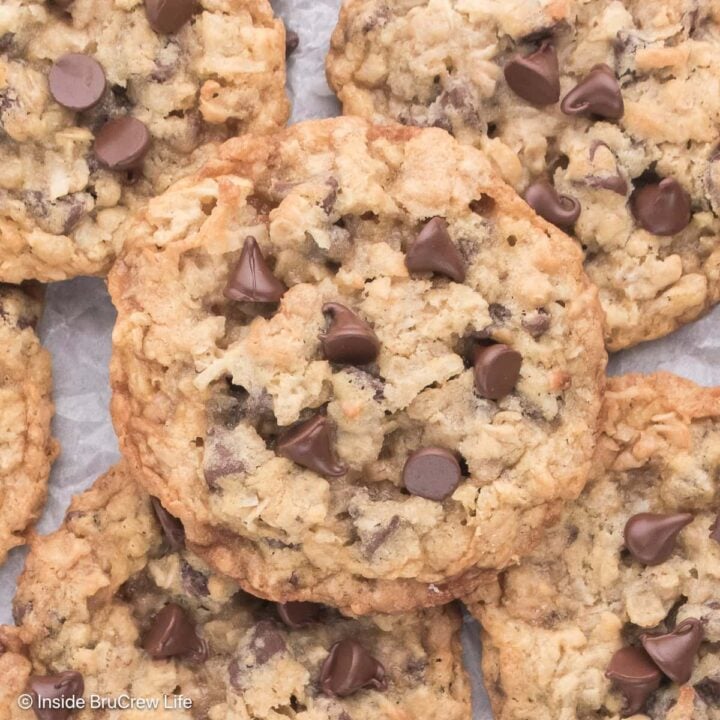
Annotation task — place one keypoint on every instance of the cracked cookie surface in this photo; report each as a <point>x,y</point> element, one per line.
<point>520,81</point>
<point>636,556</point>
<point>288,453</point>
<point>26,445</point>
<point>103,104</point>
<point>91,604</point>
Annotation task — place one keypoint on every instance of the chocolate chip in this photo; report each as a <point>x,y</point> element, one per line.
<point>708,690</point>
<point>544,199</point>
<point>650,537</point>
<point>298,614</point>
<point>63,686</point>
<point>168,16</point>
<point>434,251</point>
<point>349,339</point>
<point>251,279</point>
<point>432,473</point>
<point>292,41</point>
<point>173,634</point>
<point>536,323</point>
<point>62,4</point>
<point>350,667</point>
<point>635,675</point>
<point>122,143</point>
<point>310,444</point>
<point>77,81</point>
<point>674,653</point>
<point>267,641</point>
<point>715,530</point>
<point>662,208</point>
<point>497,370</point>
<point>598,94</point>
<point>172,527</point>
<point>535,77</point>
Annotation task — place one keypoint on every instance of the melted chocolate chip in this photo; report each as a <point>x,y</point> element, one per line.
<point>460,98</point>
<point>662,208</point>
<point>350,667</point>
<point>614,183</point>
<point>432,473</point>
<point>122,143</point>
<point>650,537</point>
<point>378,538</point>
<point>267,641</point>
<point>715,530</point>
<point>292,41</point>
<point>251,279</point>
<point>598,94</point>
<point>220,461</point>
<point>499,313</point>
<point>298,614</point>
<point>349,339</point>
<point>674,653</point>
<point>708,690</point>
<point>7,43</point>
<point>168,16</point>
<point>63,686</point>
<point>434,251</point>
<point>544,199</point>
<point>310,444</point>
<point>635,675</point>
<point>497,370</point>
<point>328,202</point>
<point>173,634</point>
<point>172,527</point>
<point>535,77</point>
<point>536,323</point>
<point>193,581</point>
<point>77,81</point>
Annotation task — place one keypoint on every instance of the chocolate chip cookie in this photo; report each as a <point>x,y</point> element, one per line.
<point>104,104</point>
<point>354,363</point>
<point>113,604</point>
<point>26,446</point>
<point>603,114</point>
<point>618,612</point>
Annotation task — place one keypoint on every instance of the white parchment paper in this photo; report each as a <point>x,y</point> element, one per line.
<point>79,316</point>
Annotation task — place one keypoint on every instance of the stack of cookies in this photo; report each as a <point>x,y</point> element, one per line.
<point>358,365</point>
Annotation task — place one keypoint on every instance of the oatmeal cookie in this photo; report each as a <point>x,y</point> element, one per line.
<point>113,603</point>
<point>605,115</point>
<point>358,349</point>
<point>27,449</point>
<point>104,104</point>
<point>618,612</point>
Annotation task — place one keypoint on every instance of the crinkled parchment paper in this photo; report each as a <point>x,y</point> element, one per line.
<point>79,317</point>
